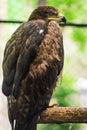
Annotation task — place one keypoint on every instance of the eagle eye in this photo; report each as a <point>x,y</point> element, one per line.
<point>51,14</point>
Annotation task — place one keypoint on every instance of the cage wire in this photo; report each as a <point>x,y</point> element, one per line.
<point>67,24</point>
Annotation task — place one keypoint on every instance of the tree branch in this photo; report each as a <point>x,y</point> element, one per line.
<point>64,115</point>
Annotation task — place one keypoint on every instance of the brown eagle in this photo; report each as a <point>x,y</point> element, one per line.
<point>33,61</point>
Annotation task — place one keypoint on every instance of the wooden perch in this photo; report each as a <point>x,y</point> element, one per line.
<point>64,115</point>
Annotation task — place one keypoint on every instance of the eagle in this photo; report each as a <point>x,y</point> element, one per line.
<point>33,61</point>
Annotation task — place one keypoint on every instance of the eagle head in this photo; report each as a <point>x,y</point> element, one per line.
<point>47,13</point>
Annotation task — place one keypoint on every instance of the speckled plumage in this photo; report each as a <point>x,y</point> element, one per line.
<point>33,60</point>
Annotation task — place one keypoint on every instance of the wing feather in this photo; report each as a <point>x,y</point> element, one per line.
<point>19,53</point>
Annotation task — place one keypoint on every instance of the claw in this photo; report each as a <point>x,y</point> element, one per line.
<point>53,105</point>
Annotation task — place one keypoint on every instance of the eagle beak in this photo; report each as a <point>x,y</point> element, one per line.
<point>60,18</point>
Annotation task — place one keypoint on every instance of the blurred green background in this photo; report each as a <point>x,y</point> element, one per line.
<point>74,80</point>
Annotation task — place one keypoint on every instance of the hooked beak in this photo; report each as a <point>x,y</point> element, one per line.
<point>60,18</point>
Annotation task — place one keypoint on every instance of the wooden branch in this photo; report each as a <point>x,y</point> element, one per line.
<point>64,115</point>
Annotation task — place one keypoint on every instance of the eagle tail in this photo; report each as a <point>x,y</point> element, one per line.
<point>28,125</point>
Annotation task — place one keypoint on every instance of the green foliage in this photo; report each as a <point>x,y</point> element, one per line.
<point>16,9</point>
<point>80,36</point>
<point>60,127</point>
<point>65,92</point>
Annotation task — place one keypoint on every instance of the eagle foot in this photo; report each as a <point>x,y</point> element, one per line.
<point>52,105</point>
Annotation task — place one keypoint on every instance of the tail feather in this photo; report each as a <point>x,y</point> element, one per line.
<point>28,125</point>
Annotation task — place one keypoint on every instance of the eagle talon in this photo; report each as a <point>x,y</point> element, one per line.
<point>53,105</point>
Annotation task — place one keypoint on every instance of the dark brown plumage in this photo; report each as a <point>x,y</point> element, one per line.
<point>33,60</point>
